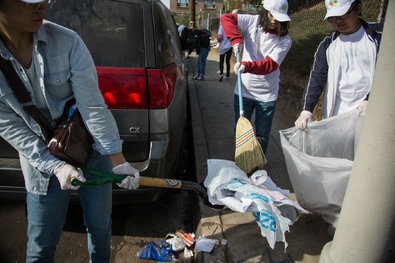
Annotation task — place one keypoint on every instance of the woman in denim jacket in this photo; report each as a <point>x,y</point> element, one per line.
<point>55,66</point>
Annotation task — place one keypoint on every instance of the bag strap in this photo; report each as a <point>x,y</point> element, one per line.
<point>24,98</point>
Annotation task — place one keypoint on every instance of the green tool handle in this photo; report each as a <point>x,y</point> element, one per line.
<point>105,178</point>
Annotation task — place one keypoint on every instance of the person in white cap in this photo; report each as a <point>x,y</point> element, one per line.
<point>266,43</point>
<point>344,62</point>
<point>55,66</point>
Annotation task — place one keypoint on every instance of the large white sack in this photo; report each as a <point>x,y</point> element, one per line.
<point>228,185</point>
<point>319,162</point>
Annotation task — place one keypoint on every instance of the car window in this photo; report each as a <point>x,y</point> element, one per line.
<point>166,46</point>
<point>112,30</point>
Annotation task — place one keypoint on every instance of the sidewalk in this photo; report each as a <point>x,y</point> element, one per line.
<point>213,134</point>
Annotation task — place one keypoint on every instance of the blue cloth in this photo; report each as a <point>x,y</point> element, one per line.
<point>264,113</point>
<point>158,250</point>
<point>201,63</point>
<point>47,215</point>
<point>65,70</point>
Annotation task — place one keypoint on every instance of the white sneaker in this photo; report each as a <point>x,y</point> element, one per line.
<point>220,77</point>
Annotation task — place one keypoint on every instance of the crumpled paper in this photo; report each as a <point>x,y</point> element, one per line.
<point>205,244</point>
<point>228,185</point>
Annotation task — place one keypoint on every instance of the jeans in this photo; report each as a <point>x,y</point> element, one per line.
<point>201,63</point>
<point>47,216</point>
<point>264,112</point>
<point>226,56</point>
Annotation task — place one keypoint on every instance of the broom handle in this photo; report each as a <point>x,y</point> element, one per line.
<point>239,87</point>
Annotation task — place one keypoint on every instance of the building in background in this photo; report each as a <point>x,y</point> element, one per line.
<point>182,6</point>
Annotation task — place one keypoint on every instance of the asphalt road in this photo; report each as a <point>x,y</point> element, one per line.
<point>134,226</point>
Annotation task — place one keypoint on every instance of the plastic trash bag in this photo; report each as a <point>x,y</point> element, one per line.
<point>176,242</point>
<point>228,185</point>
<point>158,250</point>
<point>319,162</point>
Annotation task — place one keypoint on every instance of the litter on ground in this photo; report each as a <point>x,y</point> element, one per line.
<point>205,244</point>
<point>274,212</point>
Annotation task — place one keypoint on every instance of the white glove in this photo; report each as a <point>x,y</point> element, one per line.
<point>362,107</point>
<point>65,172</point>
<point>304,118</point>
<point>132,181</point>
<point>239,67</point>
<point>237,48</point>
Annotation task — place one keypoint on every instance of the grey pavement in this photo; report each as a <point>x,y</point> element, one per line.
<point>213,134</point>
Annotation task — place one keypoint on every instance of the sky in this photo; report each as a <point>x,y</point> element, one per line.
<point>166,3</point>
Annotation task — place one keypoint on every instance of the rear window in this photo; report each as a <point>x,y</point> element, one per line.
<point>166,36</point>
<point>113,31</point>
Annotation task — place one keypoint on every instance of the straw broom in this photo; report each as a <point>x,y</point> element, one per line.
<point>249,155</point>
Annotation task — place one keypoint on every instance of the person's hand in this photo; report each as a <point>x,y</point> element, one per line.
<point>304,118</point>
<point>197,56</point>
<point>65,172</point>
<point>239,68</point>
<point>131,182</point>
<point>237,48</point>
<point>362,107</point>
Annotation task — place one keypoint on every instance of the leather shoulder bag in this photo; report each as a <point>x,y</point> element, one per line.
<point>69,140</point>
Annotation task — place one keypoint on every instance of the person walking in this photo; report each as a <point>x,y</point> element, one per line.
<point>225,53</point>
<point>202,51</point>
<point>344,63</point>
<point>266,43</point>
<point>55,66</point>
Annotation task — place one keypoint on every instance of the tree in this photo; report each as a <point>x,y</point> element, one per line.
<point>230,5</point>
<point>255,3</point>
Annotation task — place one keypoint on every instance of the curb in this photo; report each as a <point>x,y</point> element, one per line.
<point>208,220</point>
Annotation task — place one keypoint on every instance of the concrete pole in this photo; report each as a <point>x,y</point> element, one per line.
<point>366,222</point>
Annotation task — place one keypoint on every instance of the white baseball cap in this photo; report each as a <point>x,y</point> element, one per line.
<point>33,1</point>
<point>278,9</point>
<point>337,7</point>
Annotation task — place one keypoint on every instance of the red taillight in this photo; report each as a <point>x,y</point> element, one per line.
<point>123,88</point>
<point>162,83</point>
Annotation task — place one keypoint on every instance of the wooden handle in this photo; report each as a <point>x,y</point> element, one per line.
<point>160,182</point>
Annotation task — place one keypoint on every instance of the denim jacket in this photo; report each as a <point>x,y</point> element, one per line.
<point>65,70</point>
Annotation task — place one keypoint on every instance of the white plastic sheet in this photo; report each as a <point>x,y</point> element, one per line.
<point>228,185</point>
<point>319,162</point>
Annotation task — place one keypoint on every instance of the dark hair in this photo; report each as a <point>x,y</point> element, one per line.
<point>355,3</point>
<point>282,29</point>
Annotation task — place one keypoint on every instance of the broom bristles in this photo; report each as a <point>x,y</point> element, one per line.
<point>248,152</point>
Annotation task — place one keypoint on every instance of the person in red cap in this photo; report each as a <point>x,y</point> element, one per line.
<point>344,63</point>
<point>266,43</point>
<point>55,66</point>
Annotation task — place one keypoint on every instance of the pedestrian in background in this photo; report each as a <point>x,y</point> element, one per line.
<point>266,43</point>
<point>55,66</point>
<point>201,51</point>
<point>225,53</point>
<point>183,34</point>
<point>344,63</point>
